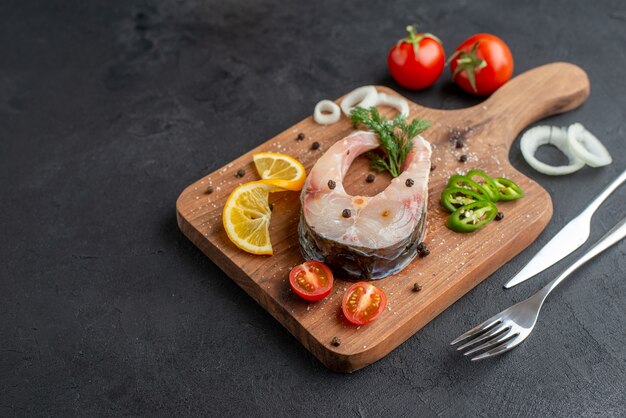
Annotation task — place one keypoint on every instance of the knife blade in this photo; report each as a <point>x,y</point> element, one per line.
<point>568,239</point>
<point>572,236</point>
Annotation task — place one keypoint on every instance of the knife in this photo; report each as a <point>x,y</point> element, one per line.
<point>572,236</point>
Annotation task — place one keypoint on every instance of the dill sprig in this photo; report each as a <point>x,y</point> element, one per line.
<point>395,137</point>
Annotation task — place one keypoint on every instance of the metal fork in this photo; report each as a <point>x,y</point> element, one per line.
<point>509,328</point>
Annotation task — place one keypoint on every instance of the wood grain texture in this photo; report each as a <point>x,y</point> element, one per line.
<point>457,263</point>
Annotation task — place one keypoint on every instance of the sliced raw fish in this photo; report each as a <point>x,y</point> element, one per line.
<point>364,237</point>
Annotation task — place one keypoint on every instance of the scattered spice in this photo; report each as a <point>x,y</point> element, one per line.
<point>370,178</point>
<point>409,182</point>
<point>417,287</point>
<point>420,247</point>
<point>425,253</point>
<point>463,158</point>
<point>335,342</point>
<point>209,190</point>
<point>432,167</point>
<point>459,143</point>
<point>315,145</point>
<point>346,213</point>
<point>331,184</point>
<point>240,173</point>
<point>499,216</point>
<point>300,137</point>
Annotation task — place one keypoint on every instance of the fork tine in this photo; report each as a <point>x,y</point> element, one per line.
<point>512,343</point>
<point>494,342</point>
<point>489,335</point>
<point>482,327</point>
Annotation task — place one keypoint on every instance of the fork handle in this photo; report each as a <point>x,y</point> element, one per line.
<point>617,233</point>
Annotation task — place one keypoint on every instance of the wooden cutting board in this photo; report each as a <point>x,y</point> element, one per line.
<point>457,262</point>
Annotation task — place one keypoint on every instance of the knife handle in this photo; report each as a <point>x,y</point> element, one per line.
<point>593,206</point>
<point>617,233</point>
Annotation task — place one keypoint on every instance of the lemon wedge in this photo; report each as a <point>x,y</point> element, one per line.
<point>246,217</point>
<point>280,170</point>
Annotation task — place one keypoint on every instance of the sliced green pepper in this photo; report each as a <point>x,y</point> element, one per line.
<point>471,217</point>
<point>508,189</point>
<point>464,182</point>
<point>453,198</point>
<point>489,185</point>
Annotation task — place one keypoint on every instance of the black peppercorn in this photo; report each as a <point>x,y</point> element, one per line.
<point>209,190</point>
<point>463,158</point>
<point>459,143</point>
<point>417,287</point>
<point>240,173</point>
<point>420,247</point>
<point>315,145</point>
<point>300,137</point>
<point>346,213</point>
<point>499,216</point>
<point>425,253</point>
<point>432,167</point>
<point>331,184</point>
<point>335,342</point>
<point>271,206</point>
<point>409,182</point>
<point>370,178</point>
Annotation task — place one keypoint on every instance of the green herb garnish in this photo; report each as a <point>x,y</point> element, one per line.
<point>395,137</point>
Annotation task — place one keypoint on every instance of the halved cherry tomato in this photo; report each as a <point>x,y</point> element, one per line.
<point>363,302</point>
<point>416,61</point>
<point>311,280</point>
<point>481,64</point>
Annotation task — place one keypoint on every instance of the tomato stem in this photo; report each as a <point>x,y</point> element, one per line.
<point>470,62</point>
<point>416,38</point>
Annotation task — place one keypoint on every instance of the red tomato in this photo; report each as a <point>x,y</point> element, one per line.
<point>311,280</point>
<point>363,302</point>
<point>481,64</point>
<point>416,61</point>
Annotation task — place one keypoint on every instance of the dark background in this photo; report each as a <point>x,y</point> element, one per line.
<point>109,109</point>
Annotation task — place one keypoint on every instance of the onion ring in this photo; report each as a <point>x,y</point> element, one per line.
<point>587,147</point>
<point>543,135</point>
<point>394,101</point>
<point>365,96</point>
<point>326,118</point>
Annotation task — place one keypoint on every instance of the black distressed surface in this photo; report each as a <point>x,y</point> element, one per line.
<point>108,109</point>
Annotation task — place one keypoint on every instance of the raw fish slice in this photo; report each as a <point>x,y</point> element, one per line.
<point>381,234</point>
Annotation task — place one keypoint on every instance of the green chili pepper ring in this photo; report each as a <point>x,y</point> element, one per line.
<point>489,185</point>
<point>508,189</point>
<point>464,182</point>
<point>471,217</point>
<point>453,198</point>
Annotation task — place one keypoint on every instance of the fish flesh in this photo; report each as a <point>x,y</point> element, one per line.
<point>364,237</point>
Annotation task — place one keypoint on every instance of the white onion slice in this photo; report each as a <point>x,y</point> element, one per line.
<point>587,147</point>
<point>320,116</point>
<point>543,135</point>
<point>394,101</point>
<point>365,96</point>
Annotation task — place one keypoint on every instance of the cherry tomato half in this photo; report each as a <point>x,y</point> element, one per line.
<point>416,61</point>
<point>363,302</point>
<point>311,280</point>
<point>481,64</point>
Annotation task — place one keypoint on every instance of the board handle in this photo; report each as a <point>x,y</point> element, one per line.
<point>538,93</point>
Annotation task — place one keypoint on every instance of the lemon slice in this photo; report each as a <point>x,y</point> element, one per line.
<point>246,217</point>
<point>280,170</point>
